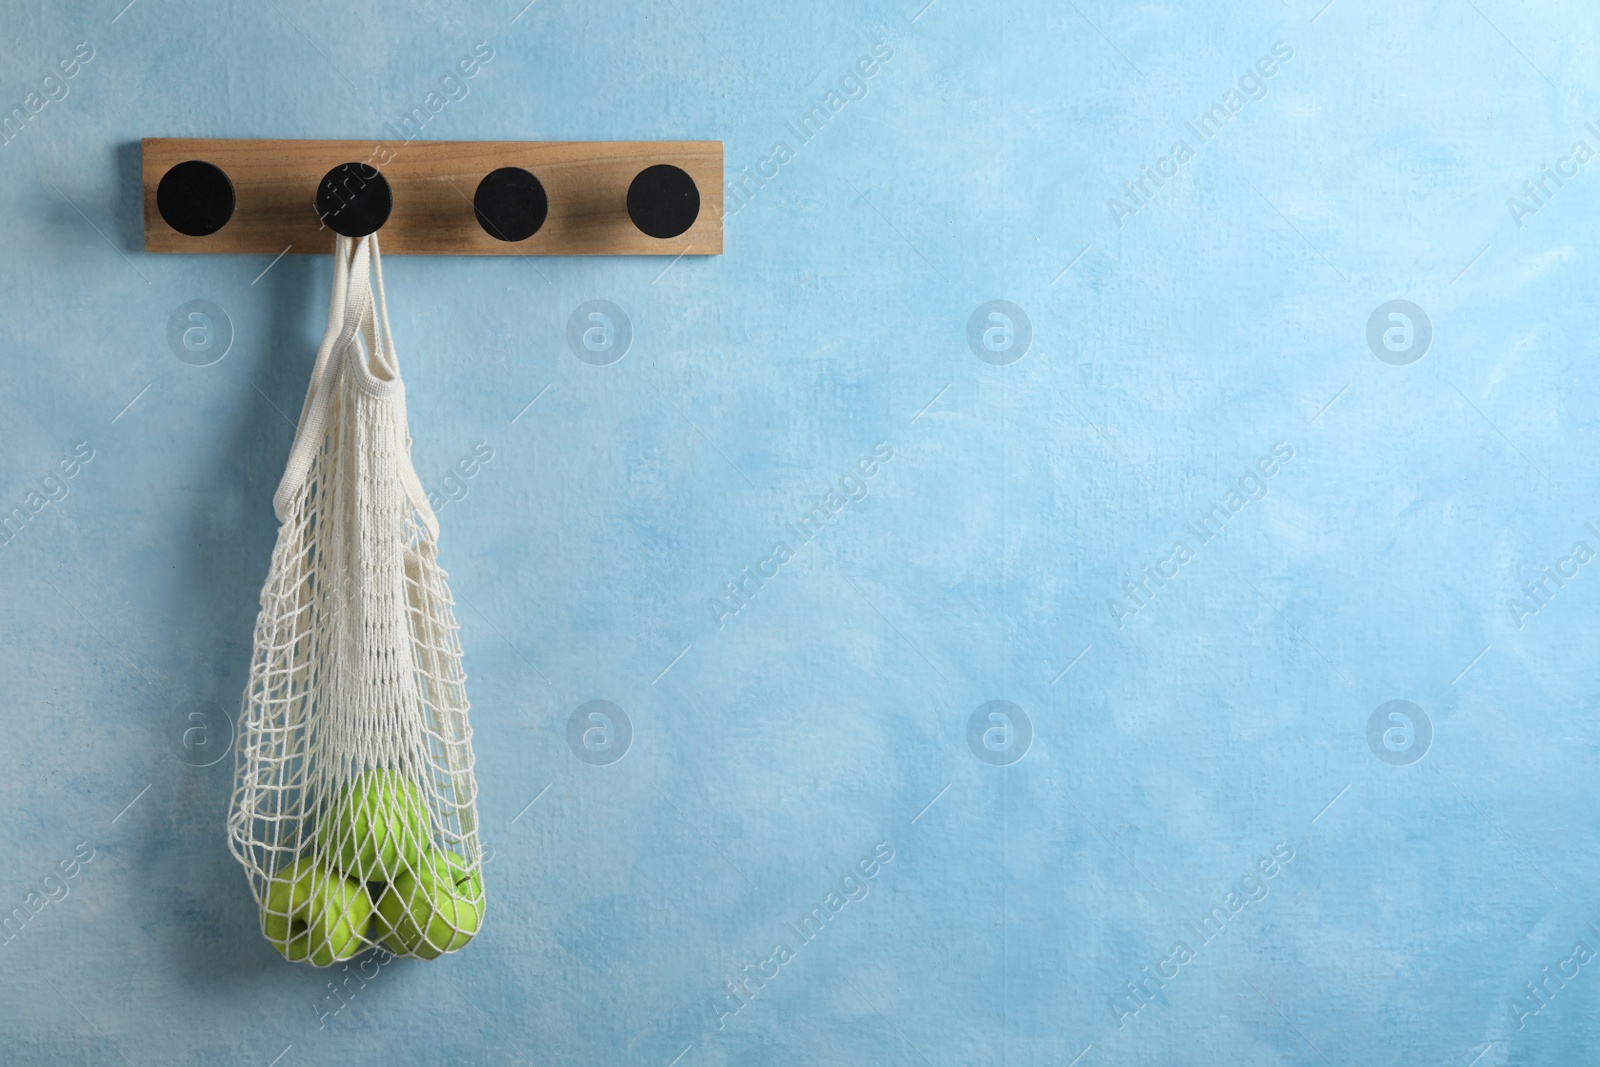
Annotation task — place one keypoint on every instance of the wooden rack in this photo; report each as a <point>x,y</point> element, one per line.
<point>460,198</point>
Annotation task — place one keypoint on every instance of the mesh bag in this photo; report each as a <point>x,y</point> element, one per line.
<point>354,809</point>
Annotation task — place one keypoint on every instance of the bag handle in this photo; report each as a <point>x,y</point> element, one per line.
<point>311,428</point>
<point>389,359</point>
<point>351,312</point>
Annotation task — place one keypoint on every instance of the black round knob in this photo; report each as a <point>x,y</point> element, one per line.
<point>511,204</point>
<point>195,198</point>
<point>354,199</point>
<point>663,201</point>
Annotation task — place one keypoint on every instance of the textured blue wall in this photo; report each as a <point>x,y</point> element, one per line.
<point>1197,502</point>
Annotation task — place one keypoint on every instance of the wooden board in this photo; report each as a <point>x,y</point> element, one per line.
<point>433,182</point>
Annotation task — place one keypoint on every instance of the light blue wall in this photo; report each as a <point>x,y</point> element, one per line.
<point>1174,344</point>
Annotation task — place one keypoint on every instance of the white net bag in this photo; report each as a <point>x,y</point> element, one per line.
<point>355,807</point>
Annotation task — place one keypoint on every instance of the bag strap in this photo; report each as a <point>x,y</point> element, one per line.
<point>384,351</point>
<point>385,346</point>
<point>341,286</point>
<point>352,312</point>
<point>312,426</point>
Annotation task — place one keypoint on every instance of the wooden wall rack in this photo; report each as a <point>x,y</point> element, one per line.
<point>461,198</point>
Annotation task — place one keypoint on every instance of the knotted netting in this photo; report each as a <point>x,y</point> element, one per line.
<point>354,809</point>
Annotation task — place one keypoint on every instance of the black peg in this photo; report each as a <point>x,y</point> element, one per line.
<point>511,204</point>
<point>354,199</point>
<point>195,198</point>
<point>663,201</point>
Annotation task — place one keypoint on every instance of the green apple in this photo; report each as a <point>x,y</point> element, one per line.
<point>315,913</point>
<point>376,829</point>
<point>433,910</point>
